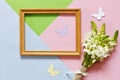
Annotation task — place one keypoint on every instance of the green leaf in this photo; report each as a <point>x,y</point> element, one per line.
<point>86,60</point>
<point>94,26</point>
<point>85,55</point>
<point>116,35</point>
<point>102,29</point>
<point>90,63</point>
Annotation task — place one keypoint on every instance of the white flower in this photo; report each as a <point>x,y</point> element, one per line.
<point>93,56</point>
<point>112,43</point>
<point>93,61</point>
<point>94,46</point>
<point>97,45</point>
<point>106,55</point>
<point>106,48</point>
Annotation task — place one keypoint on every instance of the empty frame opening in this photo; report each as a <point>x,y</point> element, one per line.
<point>50,32</point>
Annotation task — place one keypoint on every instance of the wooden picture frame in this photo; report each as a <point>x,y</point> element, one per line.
<point>50,11</point>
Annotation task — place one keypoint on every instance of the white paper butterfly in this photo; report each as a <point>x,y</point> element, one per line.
<point>53,72</point>
<point>62,31</point>
<point>99,15</point>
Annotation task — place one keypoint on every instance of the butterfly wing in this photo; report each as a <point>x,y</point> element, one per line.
<point>94,15</point>
<point>101,13</point>
<point>53,72</point>
<point>62,32</point>
<point>65,30</point>
<point>99,17</point>
<point>50,69</point>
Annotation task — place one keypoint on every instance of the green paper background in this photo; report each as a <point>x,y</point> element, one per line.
<point>38,23</point>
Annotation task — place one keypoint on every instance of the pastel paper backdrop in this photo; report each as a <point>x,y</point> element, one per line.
<point>60,35</point>
<point>14,67</point>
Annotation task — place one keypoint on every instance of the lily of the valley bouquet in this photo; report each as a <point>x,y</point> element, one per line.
<point>97,46</point>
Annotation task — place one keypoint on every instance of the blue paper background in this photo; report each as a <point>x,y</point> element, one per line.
<point>12,65</point>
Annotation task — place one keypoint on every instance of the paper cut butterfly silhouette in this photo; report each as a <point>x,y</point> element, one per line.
<point>52,71</point>
<point>99,15</point>
<point>62,31</point>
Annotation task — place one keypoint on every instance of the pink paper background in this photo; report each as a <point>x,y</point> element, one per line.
<point>110,68</point>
